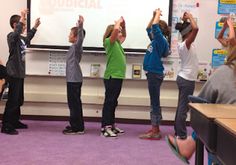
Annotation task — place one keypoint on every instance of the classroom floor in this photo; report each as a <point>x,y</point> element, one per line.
<point>44,144</point>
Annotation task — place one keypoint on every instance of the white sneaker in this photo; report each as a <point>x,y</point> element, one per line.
<point>117,130</point>
<point>107,132</point>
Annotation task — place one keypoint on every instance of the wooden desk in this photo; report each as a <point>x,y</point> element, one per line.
<point>226,141</point>
<point>202,121</point>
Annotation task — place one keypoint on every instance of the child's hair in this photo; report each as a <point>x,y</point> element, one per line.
<point>164,29</point>
<point>184,28</point>
<point>75,31</point>
<point>231,58</point>
<point>108,32</point>
<point>14,19</point>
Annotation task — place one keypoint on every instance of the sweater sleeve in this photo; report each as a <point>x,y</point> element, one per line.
<point>208,92</point>
<point>149,30</point>
<point>160,40</point>
<point>30,35</point>
<point>80,37</point>
<point>13,37</point>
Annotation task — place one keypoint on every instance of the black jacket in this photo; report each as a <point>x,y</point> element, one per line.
<point>17,45</point>
<point>3,72</point>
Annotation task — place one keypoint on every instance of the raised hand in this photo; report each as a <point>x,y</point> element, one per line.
<point>23,16</point>
<point>158,12</point>
<point>122,23</point>
<point>37,23</point>
<point>80,21</point>
<point>24,13</point>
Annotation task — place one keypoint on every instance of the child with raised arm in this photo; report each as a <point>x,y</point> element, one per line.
<point>74,79</point>
<point>230,41</point>
<point>16,72</point>
<point>114,74</point>
<point>157,31</point>
<point>214,91</point>
<point>188,71</point>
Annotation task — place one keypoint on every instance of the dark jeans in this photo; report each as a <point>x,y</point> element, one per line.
<point>15,100</point>
<point>75,105</point>
<point>186,88</point>
<point>112,92</point>
<point>154,86</point>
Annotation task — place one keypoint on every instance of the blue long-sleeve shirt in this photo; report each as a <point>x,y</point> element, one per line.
<point>158,48</point>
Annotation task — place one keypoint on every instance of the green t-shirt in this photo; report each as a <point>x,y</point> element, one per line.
<point>116,61</point>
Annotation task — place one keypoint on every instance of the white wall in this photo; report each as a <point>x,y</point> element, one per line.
<point>7,9</point>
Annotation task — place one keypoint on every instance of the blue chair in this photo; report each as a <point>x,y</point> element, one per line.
<point>196,99</point>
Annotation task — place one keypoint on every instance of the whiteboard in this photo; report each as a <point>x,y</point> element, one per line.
<point>59,16</point>
<point>37,61</point>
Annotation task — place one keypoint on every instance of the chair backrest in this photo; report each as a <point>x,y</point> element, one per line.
<point>196,99</point>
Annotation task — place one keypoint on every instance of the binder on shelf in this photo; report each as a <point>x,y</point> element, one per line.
<point>136,71</point>
<point>95,70</point>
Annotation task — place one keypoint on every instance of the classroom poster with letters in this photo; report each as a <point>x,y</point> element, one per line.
<point>218,57</point>
<point>226,6</point>
<point>57,64</point>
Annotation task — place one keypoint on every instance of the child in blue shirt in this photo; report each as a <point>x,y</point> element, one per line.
<point>152,65</point>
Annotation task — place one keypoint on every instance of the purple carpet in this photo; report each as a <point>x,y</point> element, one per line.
<point>44,144</point>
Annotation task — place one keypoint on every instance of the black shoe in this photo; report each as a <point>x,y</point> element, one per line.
<point>72,132</point>
<point>9,131</point>
<point>68,128</point>
<point>20,125</point>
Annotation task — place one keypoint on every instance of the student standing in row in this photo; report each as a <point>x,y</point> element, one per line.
<point>16,72</point>
<point>188,71</point>
<point>114,74</point>
<point>74,79</point>
<point>152,65</point>
<point>219,89</point>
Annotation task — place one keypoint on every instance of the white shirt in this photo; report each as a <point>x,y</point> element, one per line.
<point>189,61</point>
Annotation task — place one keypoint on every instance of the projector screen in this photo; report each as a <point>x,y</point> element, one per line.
<point>59,16</point>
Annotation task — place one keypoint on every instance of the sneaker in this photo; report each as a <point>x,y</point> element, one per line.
<point>151,136</point>
<point>107,132</point>
<point>68,127</point>
<point>68,131</point>
<point>9,131</point>
<point>117,130</point>
<point>20,125</point>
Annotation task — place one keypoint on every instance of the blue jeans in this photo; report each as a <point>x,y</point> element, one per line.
<point>154,85</point>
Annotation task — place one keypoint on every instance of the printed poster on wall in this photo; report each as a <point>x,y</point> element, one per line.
<point>57,64</point>
<point>226,6</point>
<point>218,57</point>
